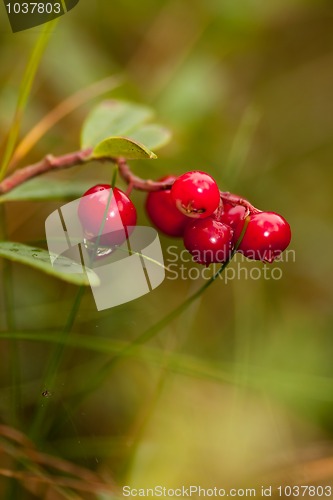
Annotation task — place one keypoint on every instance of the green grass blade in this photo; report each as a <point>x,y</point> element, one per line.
<point>25,89</point>
<point>151,332</point>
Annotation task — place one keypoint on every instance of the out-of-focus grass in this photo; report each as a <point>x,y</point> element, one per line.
<point>242,381</point>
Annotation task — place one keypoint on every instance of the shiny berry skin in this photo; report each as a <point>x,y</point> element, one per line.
<point>163,213</point>
<point>267,235</point>
<point>232,215</point>
<point>120,217</point>
<point>196,194</point>
<point>208,240</point>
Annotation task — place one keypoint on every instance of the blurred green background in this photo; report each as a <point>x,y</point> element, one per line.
<point>238,388</point>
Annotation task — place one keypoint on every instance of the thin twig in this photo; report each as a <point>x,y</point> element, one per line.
<point>46,165</point>
<point>234,199</point>
<point>137,182</point>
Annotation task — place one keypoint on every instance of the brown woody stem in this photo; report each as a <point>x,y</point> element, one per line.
<point>46,165</point>
<point>136,182</point>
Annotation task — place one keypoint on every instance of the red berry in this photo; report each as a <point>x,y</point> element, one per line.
<point>266,237</point>
<point>231,215</point>
<point>113,216</point>
<point>208,240</point>
<point>196,194</point>
<point>163,212</point>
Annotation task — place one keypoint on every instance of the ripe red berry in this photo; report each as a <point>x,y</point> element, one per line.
<point>109,217</point>
<point>163,212</point>
<point>196,194</point>
<point>231,215</point>
<point>267,235</point>
<point>208,240</point>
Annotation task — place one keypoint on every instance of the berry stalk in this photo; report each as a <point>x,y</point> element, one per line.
<point>234,199</point>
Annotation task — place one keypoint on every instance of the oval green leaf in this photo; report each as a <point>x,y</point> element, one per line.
<point>124,147</point>
<point>112,118</point>
<point>39,258</point>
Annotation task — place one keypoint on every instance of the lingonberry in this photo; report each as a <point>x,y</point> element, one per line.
<point>163,212</point>
<point>231,214</point>
<point>266,236</point>
<point>208,240</point>
<point>106,217</point>
<point>196,194</point>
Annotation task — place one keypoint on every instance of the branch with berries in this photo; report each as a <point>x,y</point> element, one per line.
<point>190,206</point>
<point>50,163</point>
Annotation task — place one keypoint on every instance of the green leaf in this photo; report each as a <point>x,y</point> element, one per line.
<point>118,128</point>
<point>46,188</point>
<point>39,258</point>
<point>152,136</point>
<point>112,118</point>
<point>121,147</point>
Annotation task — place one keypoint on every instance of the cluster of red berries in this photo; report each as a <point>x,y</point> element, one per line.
<point>194,209</point>
<point>210,222</point>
